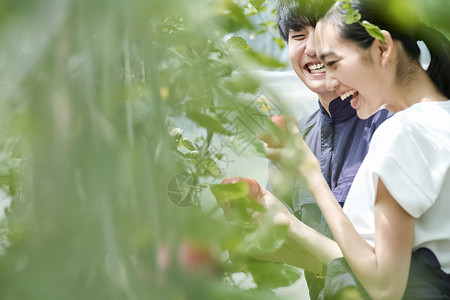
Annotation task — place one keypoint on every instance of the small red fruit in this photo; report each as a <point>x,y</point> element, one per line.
<point>280,121</point>
<point>276,141</point>
<point>254,189</point>
<point>196,258</point>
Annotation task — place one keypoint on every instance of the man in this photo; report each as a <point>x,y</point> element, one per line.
<point>334,133</point>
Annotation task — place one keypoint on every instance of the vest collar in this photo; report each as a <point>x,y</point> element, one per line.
<point>339,110</point>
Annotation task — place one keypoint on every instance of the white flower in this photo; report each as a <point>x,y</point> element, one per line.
<point>176,131</point>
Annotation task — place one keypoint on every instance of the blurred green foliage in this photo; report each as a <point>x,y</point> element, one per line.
<point>94,161</point>
<point>90,94</point>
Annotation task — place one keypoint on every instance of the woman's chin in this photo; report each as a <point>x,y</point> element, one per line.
<point>361,111</point>
<point>364,113</point>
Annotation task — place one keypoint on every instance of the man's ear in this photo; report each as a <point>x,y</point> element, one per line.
<point>386,49</point>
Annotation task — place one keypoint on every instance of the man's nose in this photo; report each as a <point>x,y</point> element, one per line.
<point>310,48</point>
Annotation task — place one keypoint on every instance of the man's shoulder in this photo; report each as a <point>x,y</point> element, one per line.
<point>380,116</point>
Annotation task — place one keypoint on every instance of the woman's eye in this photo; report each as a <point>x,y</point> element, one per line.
<point>330,64</point>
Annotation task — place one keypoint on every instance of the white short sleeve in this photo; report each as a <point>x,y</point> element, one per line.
<point>407,160</point>
<point>410,152</point>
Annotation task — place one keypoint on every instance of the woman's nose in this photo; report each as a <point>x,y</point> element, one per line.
<point>331,82</point>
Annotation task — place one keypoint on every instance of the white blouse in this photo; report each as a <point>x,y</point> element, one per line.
<point>410,152</point>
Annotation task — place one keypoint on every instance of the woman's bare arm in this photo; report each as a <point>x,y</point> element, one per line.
<point>304,247</point>
<point>383,269</point>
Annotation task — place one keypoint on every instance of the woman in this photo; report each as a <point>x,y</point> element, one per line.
<point>395,223</point>
<point>399,202</point>
<point>394,231</point>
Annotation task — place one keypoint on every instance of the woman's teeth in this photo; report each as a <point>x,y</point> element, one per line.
<point>316,68</point>
<point>347,94</point>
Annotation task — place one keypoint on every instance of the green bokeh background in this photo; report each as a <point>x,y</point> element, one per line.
<point>89,94</point>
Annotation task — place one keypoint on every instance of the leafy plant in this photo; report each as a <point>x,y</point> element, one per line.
<point>353,16</point>
<point>104,178</point>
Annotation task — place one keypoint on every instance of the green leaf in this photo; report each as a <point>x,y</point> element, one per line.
<point>352,16</point>
<point>210,122</point>
<point>236,192</point>
<point>228,192</point>
<point>373,30</point>
<point>266,239</point>
<point>262,31</point>
<point>268,24</point>
<point>226,22</point>
<point>257,3</point>
<point>239,83</point>
<point>273,275</point>
<point>235,195</point>
<point>192,155</point>
<point>236,12</point>
<point>347,6</point>
<point>187,144</point>
<point>210,165</point>
<point>239,43</point>
<point>280,42</point>
<point>180,142</point>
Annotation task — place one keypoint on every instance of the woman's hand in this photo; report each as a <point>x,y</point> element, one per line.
<point>291,152</point>
<point>303,247</point>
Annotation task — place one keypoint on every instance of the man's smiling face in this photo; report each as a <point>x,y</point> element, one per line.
<point>304,61</point>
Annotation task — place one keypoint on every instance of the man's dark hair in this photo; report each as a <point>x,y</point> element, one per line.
<point>298,14</point>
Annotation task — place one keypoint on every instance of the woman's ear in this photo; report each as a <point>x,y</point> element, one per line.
<point>386,48</point>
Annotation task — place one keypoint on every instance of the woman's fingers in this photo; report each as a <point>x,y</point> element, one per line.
<point>270,139</point>
<point>286,124</point>
<point>276,154</point>
<point>282,121</point>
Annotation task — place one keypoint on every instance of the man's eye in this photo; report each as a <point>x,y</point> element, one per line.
<point>298,37</point>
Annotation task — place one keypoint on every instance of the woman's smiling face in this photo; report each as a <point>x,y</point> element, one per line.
<point>351,70</point>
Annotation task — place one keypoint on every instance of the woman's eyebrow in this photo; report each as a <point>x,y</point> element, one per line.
<point>324,55</point>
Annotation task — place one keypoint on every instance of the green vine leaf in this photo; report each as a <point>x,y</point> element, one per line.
<point>228,192</point>
<point>352,16</point>
<point>235,192</point>
<point>279,42</point>
<point>208,121</point>
<point>210,165</point>
<point>273,275</point>
<point>187,144</point>
<point>373,30</point>
<point>267,238</point>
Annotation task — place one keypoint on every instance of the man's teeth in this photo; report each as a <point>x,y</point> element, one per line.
<point>317,68</point>
<point>347,94</point>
